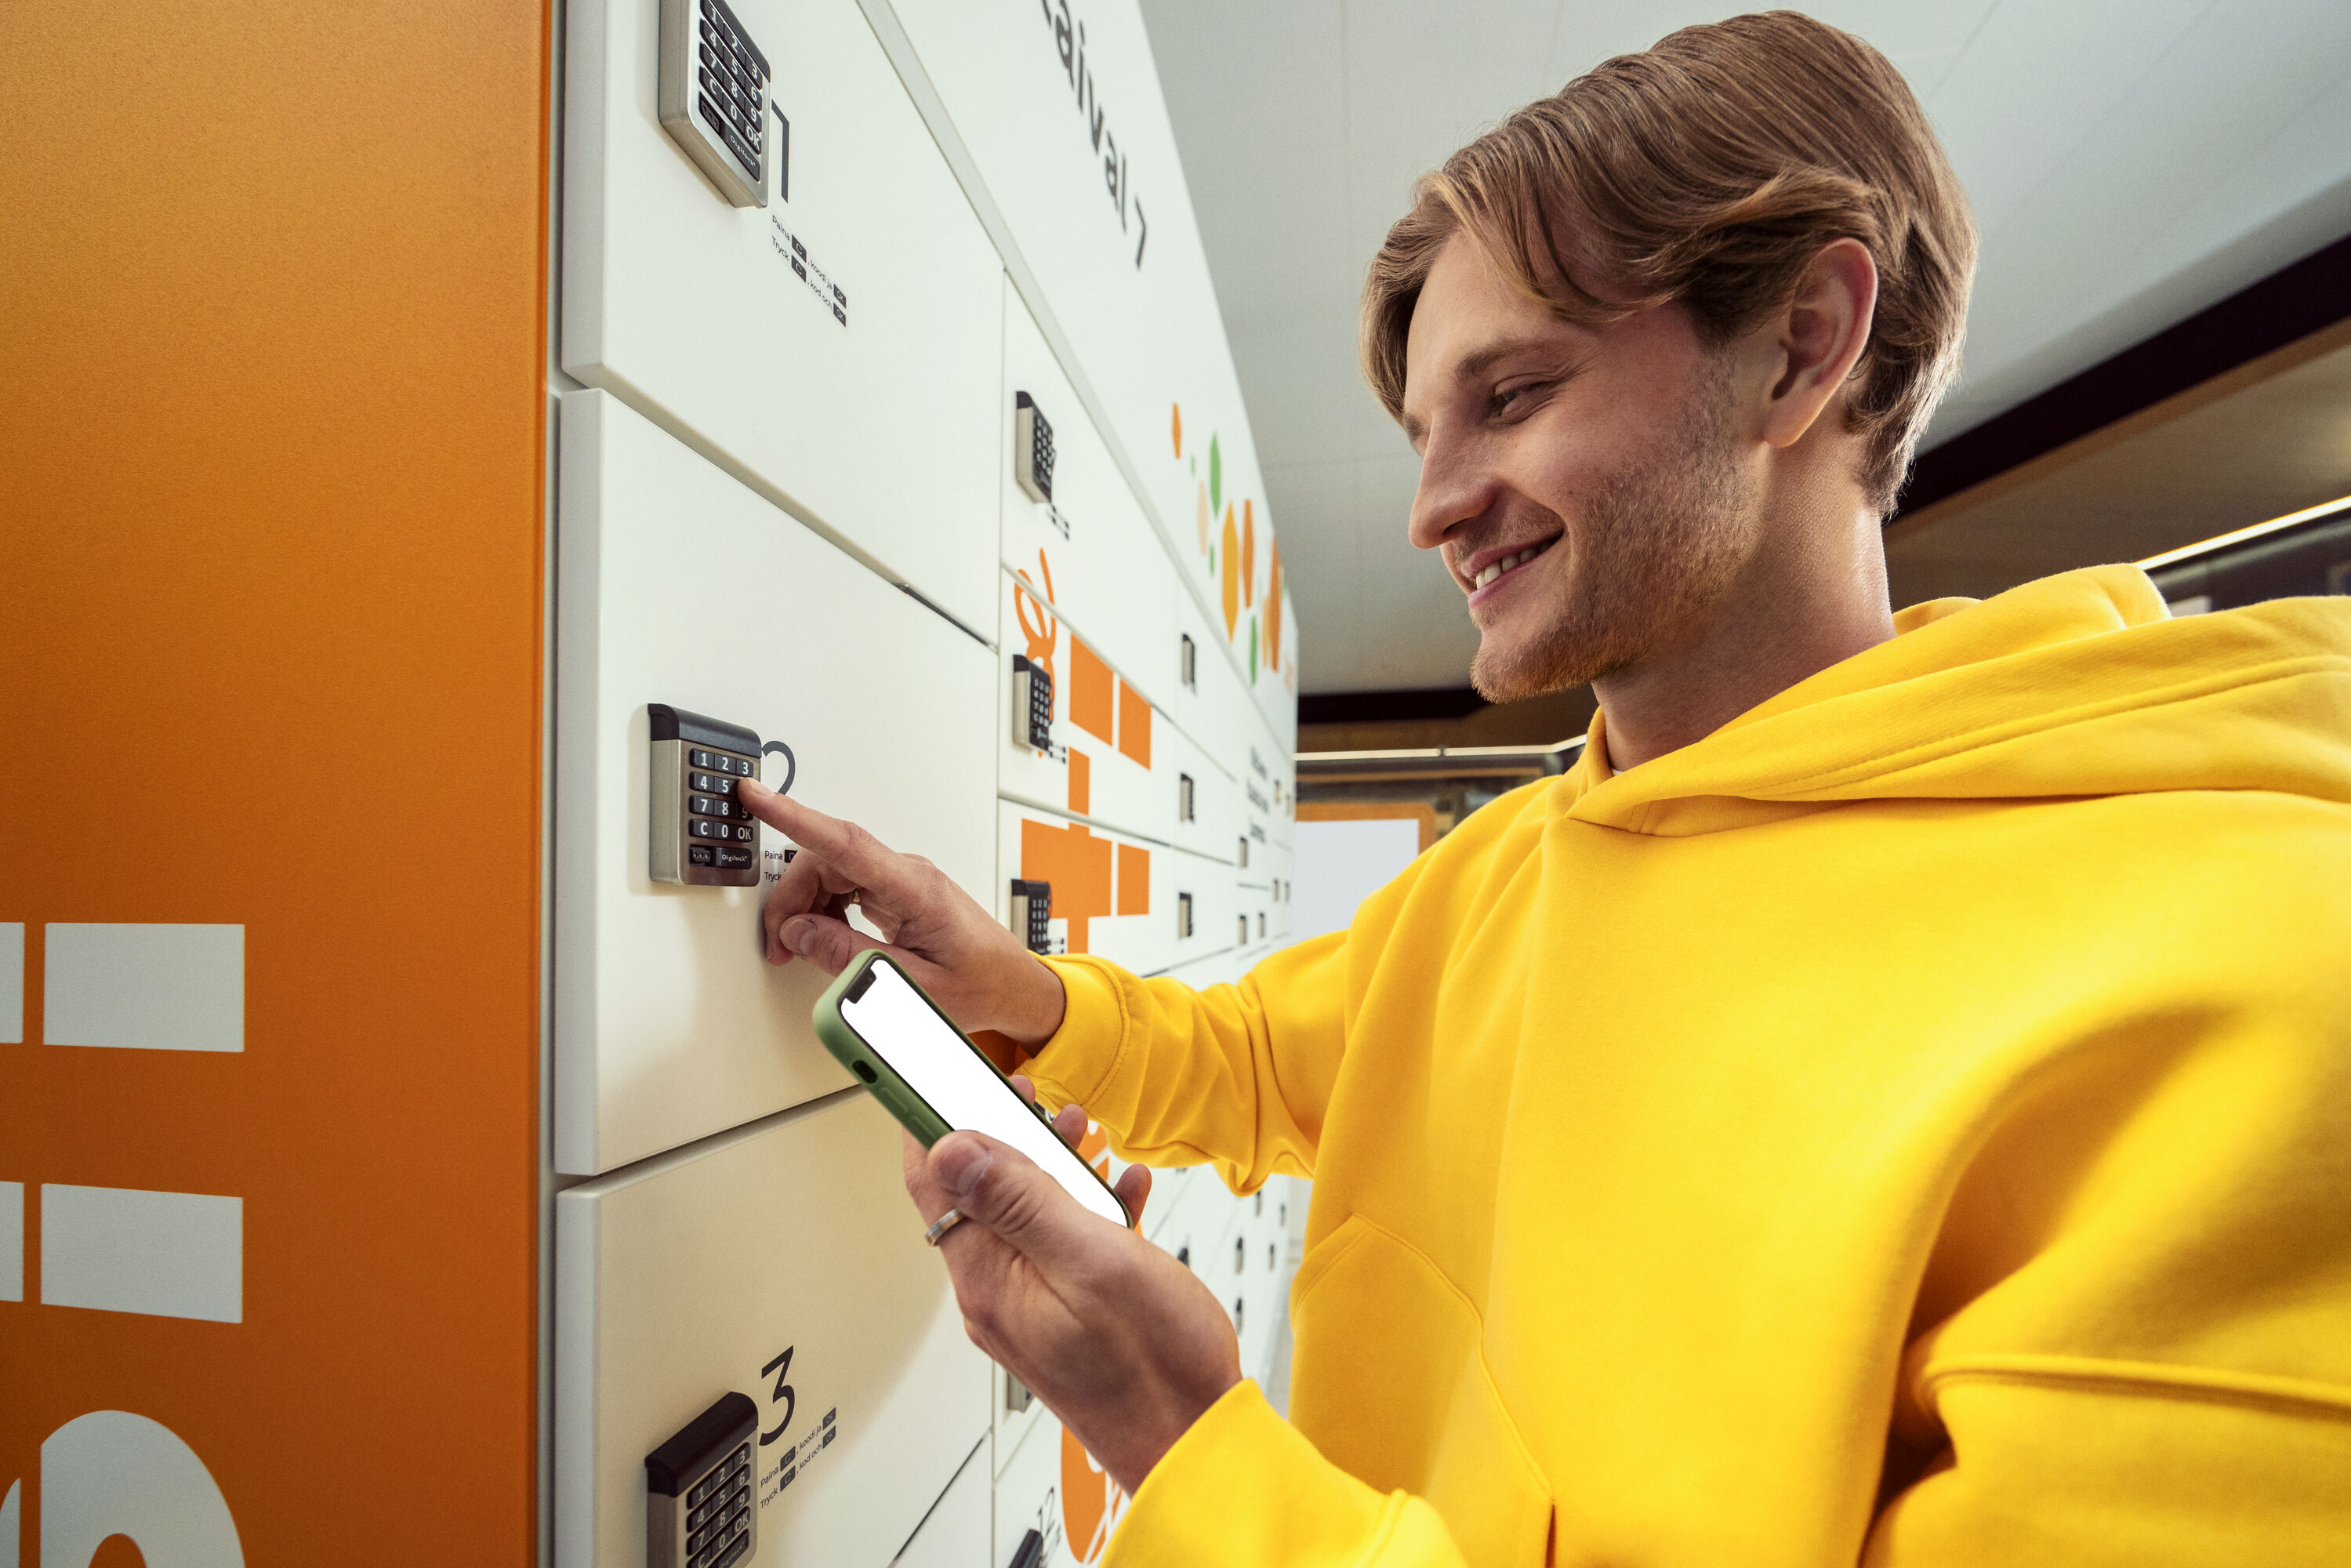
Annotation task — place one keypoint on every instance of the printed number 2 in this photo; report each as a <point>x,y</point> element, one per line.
<point>783,1368</point>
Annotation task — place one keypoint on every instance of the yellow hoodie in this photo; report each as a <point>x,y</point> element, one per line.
<point>1911,1125</point>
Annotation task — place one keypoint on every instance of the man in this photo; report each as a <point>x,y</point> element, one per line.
<point>1887,1102</point>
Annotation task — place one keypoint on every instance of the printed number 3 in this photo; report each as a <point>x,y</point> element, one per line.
<point>783,1368</point>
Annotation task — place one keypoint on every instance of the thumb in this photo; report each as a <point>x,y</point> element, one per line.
<point>1002,1188</point>
<point>831,945</point>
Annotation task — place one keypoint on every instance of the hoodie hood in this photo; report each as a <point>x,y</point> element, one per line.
<point>2077,684</point>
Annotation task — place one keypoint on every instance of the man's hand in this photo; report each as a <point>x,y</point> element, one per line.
<point>1116,1337</point>
<point>972,966</point>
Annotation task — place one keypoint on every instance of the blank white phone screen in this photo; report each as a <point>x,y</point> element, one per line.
<point>902,1028</point>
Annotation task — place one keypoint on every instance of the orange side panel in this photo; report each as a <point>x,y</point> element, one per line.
<point>1076,864</point>
<point>1133,723</point>
<point>1134,880</point>
<point>272,457</point>
<point>1093,691</point>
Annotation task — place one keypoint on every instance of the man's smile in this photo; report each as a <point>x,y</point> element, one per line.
<point>1488,567</point>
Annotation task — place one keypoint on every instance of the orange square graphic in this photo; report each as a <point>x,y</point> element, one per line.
<point>1082,783</point>
<point>1133,723</point>
<point>1092,691</point>
<point>1134,880</point>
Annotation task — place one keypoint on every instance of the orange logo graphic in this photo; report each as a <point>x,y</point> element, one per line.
<point>1044,633</point>
<point>1232,570</point>
<point>1248,552</point>
<point>1273,609</point>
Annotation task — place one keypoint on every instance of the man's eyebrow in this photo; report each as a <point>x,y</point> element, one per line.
<point>1473,366</point>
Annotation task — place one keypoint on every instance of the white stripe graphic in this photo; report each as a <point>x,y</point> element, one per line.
<point>125,1249</point>
<point>11,1241</point>
<point>12,982</point>
<point>156,987</point>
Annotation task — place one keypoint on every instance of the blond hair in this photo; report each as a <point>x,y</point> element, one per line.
<point>1708,172</point>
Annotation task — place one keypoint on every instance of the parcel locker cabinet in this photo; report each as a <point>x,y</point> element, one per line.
<point>681,591</point>
<point>781,1264</point>
<point>1073,734</point>
<point>1082,541</point>
<point>842,343</point>
<point>1051,1489</point>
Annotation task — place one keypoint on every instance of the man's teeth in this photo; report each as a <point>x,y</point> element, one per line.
<point>1496,569</point>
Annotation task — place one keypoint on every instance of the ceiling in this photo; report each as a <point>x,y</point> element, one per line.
<point>2129,164</point>
<point>2270,437</point>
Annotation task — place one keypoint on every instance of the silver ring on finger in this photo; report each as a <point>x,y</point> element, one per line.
<point>942,1224</point>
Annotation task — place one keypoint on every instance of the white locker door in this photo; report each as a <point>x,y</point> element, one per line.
<point>842,343</point>
<point>956,1532</point>
<point>1215,823</point>
<point>1258,1285</point>
<point>1195,708</point>
<point>1052,1486</point>
<point>677,585</point>
<point>783,1263</point>
<point>1109,574</point>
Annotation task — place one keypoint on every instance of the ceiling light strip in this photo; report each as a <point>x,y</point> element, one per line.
<point>1431,753</point>
<point>2222,541</point>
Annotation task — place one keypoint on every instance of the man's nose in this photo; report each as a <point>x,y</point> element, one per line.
<point>1453,489</point>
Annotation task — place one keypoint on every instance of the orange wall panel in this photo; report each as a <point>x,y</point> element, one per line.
<point>270,466</point>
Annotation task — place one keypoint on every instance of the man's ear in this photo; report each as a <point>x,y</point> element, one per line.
<point>1819,337</point>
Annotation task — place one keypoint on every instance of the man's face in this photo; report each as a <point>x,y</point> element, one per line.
<point>1582,483</point>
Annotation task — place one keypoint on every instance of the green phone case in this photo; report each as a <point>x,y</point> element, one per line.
<point>912,1112</point>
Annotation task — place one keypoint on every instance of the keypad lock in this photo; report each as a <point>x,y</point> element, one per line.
<point>1032,448</point>
<point>1032,915</point>
<point>702,834</point>
<point>701,1506</point>
<point>714,96</point>
<point>1032,704</point>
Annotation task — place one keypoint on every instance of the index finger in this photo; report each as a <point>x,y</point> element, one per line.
<point>844,846</point>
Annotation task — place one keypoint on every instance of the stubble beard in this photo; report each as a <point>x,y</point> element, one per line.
<point>1661,540</point>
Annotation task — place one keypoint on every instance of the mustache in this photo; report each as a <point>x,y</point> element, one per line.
<point>1521,524</point>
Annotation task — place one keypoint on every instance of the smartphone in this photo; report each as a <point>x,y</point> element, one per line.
<point>933,1079</point>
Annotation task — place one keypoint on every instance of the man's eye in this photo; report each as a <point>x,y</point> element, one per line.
<point>1504,397</point>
